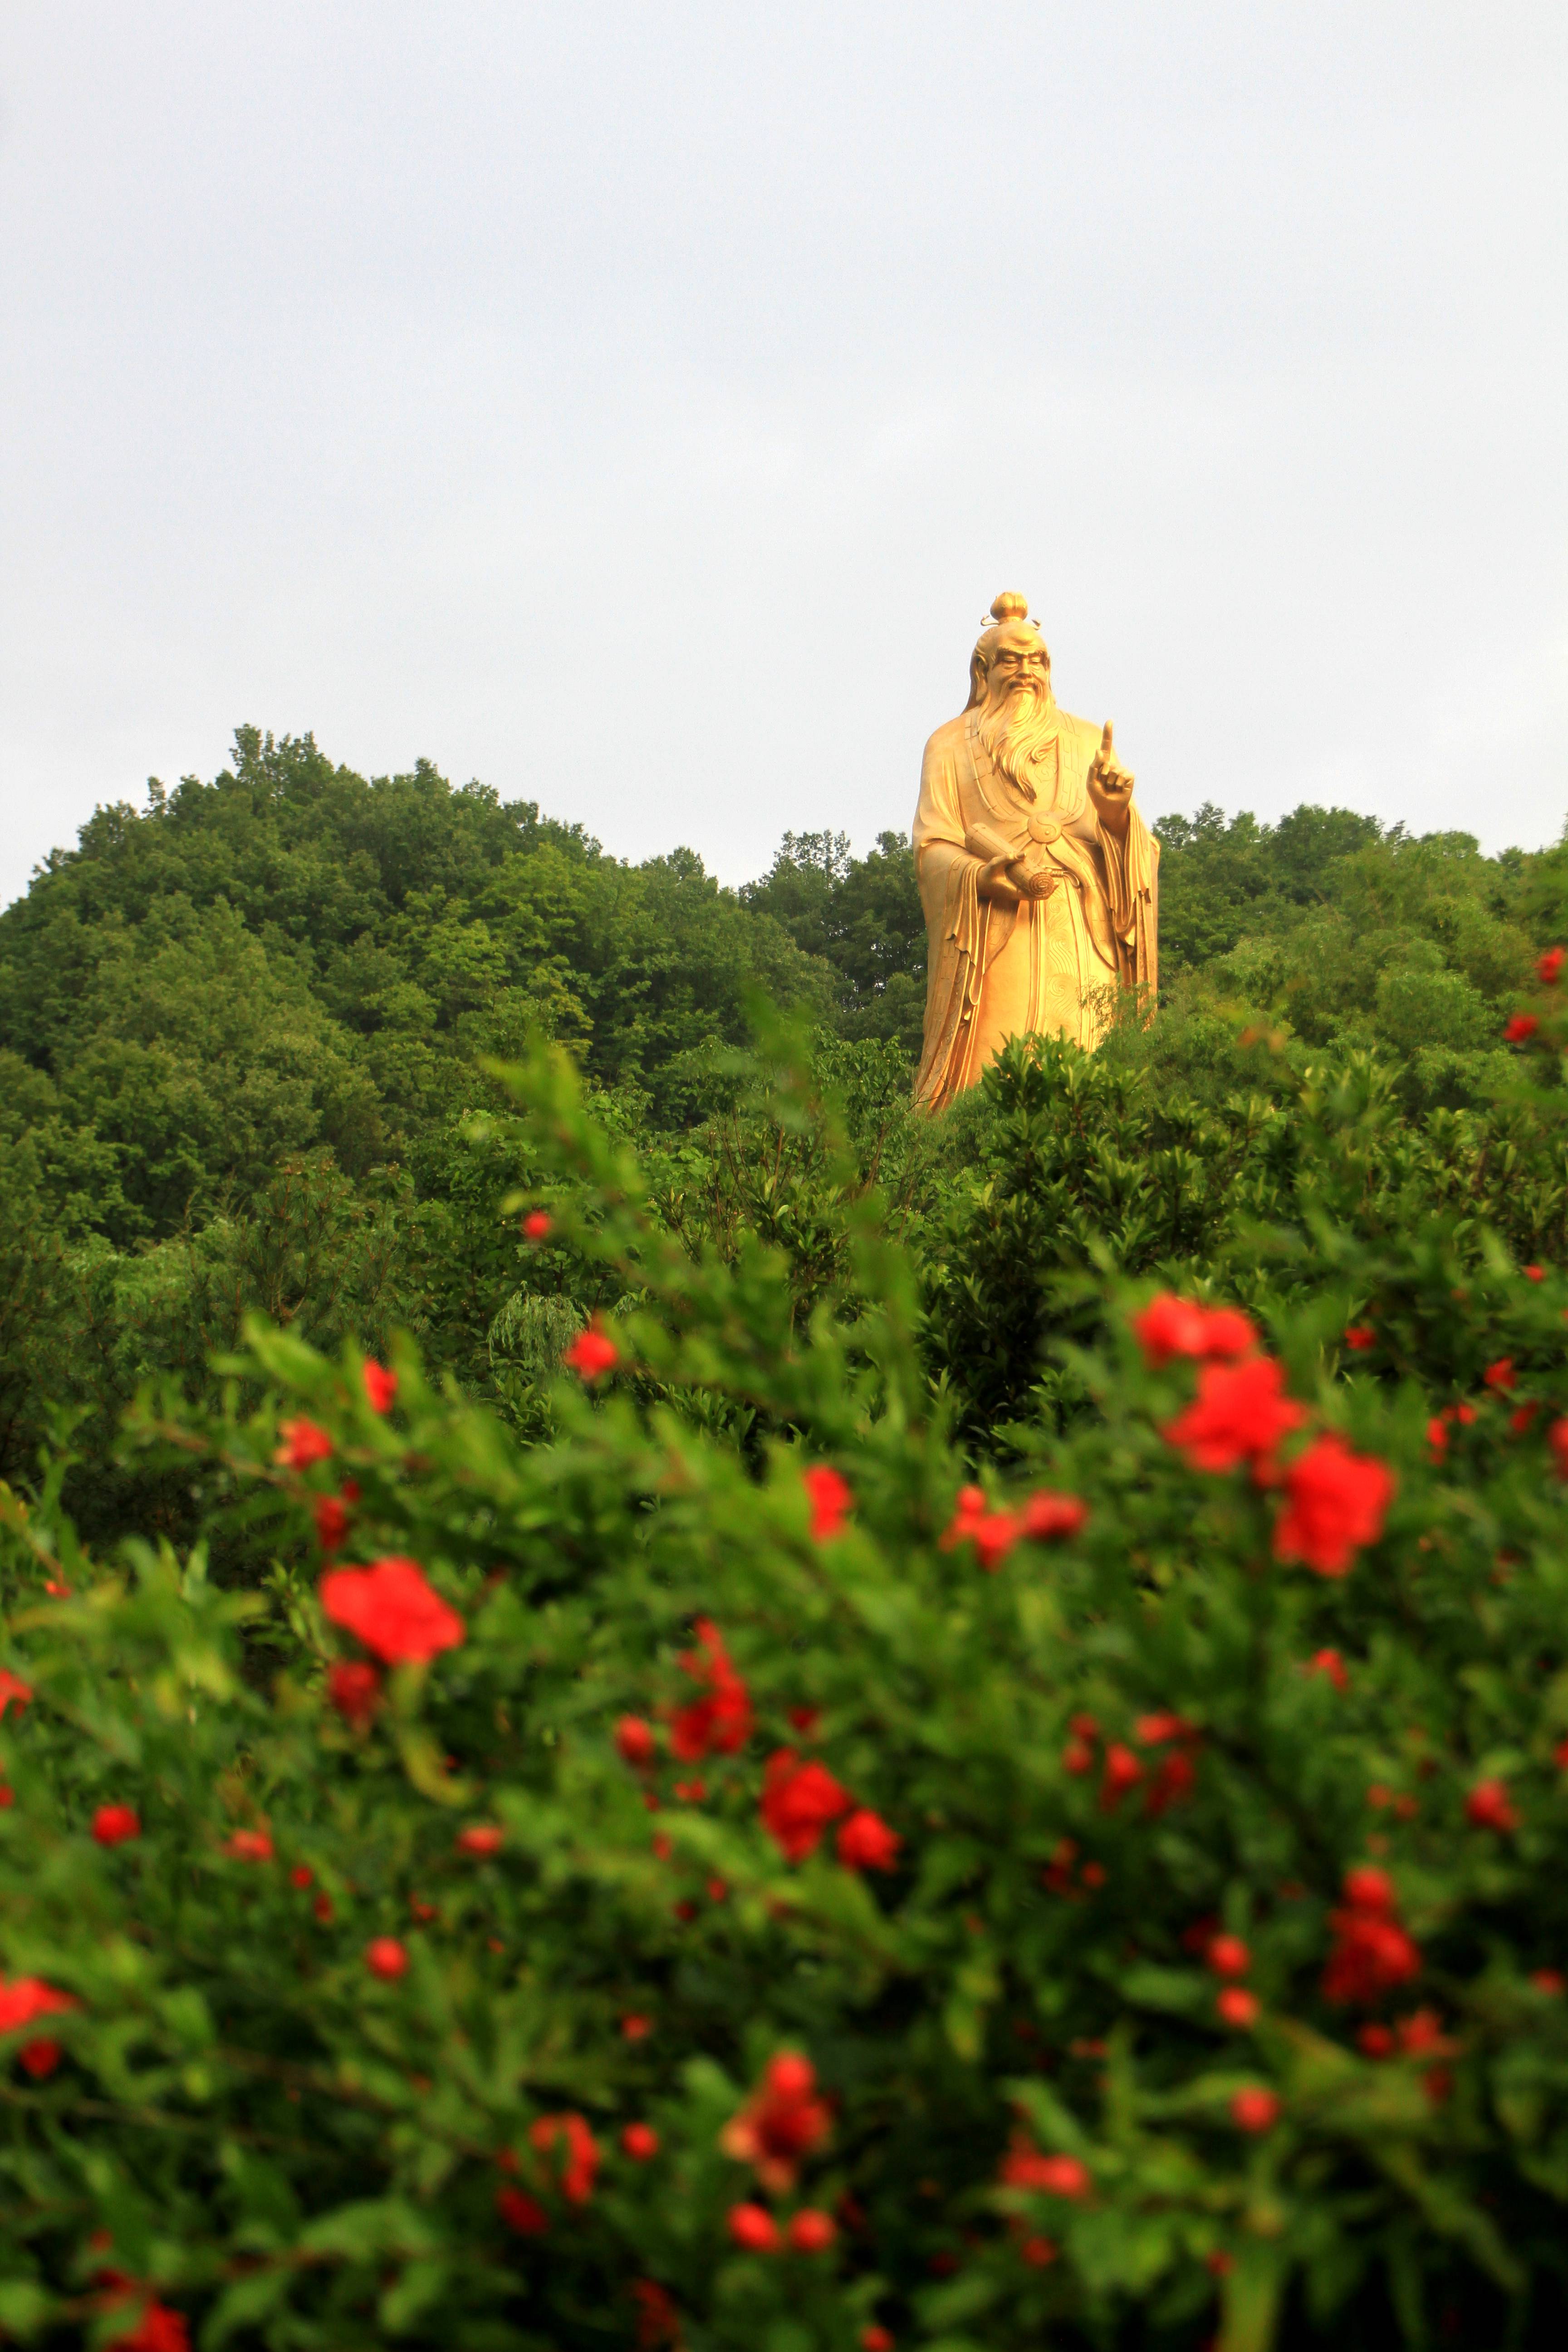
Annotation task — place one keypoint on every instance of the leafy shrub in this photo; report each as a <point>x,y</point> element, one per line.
<point>782,1893</point>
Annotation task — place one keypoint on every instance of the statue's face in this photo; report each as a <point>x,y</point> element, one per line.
<point>1017,666</point>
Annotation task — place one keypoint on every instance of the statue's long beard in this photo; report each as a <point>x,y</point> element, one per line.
<point>1020,734</point>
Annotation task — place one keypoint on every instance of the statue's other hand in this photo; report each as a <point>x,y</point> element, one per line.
<point>1109,786</point>
<point>1038,883</point>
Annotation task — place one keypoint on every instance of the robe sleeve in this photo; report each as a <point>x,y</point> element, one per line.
<point>1132,880</point>
<point>960,927</point>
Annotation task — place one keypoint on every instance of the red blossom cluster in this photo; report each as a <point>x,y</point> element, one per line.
<point>582,2159</point>
<point>720,1721</point>
<point>303,1443</point>
<point>1240,1414</point>
<point>1370,1953</point>
<point>780,2124</point>
<point>380,1387</point>
<point>1173,1778</point>
<point>1046,1518</point>
<point>1335,1501</point>
<point>1024,2167</point>
<point>393,1608</point>
<point>1521,1026</point>
<point>800,1800</point>
<point>1170,1327</point>
<point>115,1824</point>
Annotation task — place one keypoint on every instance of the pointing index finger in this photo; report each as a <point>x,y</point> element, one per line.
<point>1106,749</point>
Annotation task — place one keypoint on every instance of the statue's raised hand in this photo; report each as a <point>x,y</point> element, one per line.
<point>1111,786</point>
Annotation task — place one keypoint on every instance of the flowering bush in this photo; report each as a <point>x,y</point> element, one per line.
<point>639,1889</point>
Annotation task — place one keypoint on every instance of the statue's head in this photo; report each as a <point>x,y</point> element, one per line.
<point>1010,666</point>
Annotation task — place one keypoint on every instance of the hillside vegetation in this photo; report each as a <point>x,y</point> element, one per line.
<point>646,1701</point>
<point>243,1030</point>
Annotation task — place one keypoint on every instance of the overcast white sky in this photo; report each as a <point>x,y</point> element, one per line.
<point>637,406</point>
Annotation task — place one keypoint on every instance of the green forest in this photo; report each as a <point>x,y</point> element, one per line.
<point>646,1701</point>
<point>246,1032</point>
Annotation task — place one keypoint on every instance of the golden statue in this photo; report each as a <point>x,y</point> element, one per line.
<point>1039,877</point>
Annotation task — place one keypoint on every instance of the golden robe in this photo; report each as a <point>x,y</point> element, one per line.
<point>997,971</point>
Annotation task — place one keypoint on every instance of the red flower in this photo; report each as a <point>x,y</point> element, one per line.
<point>28,1998</point>
<point>1437,1439</point>
<point>40,2057</point>
<point>877,2339</point>
<point>1175,1780</point>
<point>537,1225</point>
<point>301,1875</point>
<point>113,1824</point>
<point>1550,1982</point>
<point>1240,1415</point>
<point>582,2153</point>
<point>1522,1025</point>
<point>1359,1337</point>
<point>1535,1274</point>
<point>331,1516</point>
<point>830,1500</point>
<point>1237,2007</point>
<point>1122,1772</point>
<point>1375,2040</point>
<point>798,1802</point>
<point>392,1610</point>
<point>722,1722</point>
<point>1154,1731</point>
<point>1170,1327</point>
<point>322,1907</point>
<point>752,2227</point>
<point>866,1843</point>
<point>304,1441</point>
<point>1084,1726</point>
<point>13,1687</point>
<point>522,2212</point>
<point>1522,1419</point>
<point>635,2028</point>
<point>634,1740</point>
<point>160,2329</point>
<point>380,1387</point>
<point>355,1689</point>
<point>1335,1500</point>
<point>993,1533</point>
<point>1050,2176</point>
<point>1557,1438</point>
<point>970,1505</point>
<point>1255,2110</point>
<point>640,2142</point>
<point>1501,1377</point>
<point>781,2122</point>
<point>593,1352</point>
<point>484,1838</point>
<point>659,2321</point>
<point>249,1845</point>
<point>1049,1518</point>
<point>1078,1758</point>
<point>810,2231</point>
<point>1548,967</point>
<point>1227,1956</point>
<point>385,1958</point>
<point>1490,1807</point>
<point>1370,1953</point>
<point>805,1719</point>
<point>1330,1663</point>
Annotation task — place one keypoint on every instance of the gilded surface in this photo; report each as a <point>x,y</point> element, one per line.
<point>1039,877</point>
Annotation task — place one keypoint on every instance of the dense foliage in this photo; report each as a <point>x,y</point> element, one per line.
<point>879,1731</point>
<point>714,1872</point>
